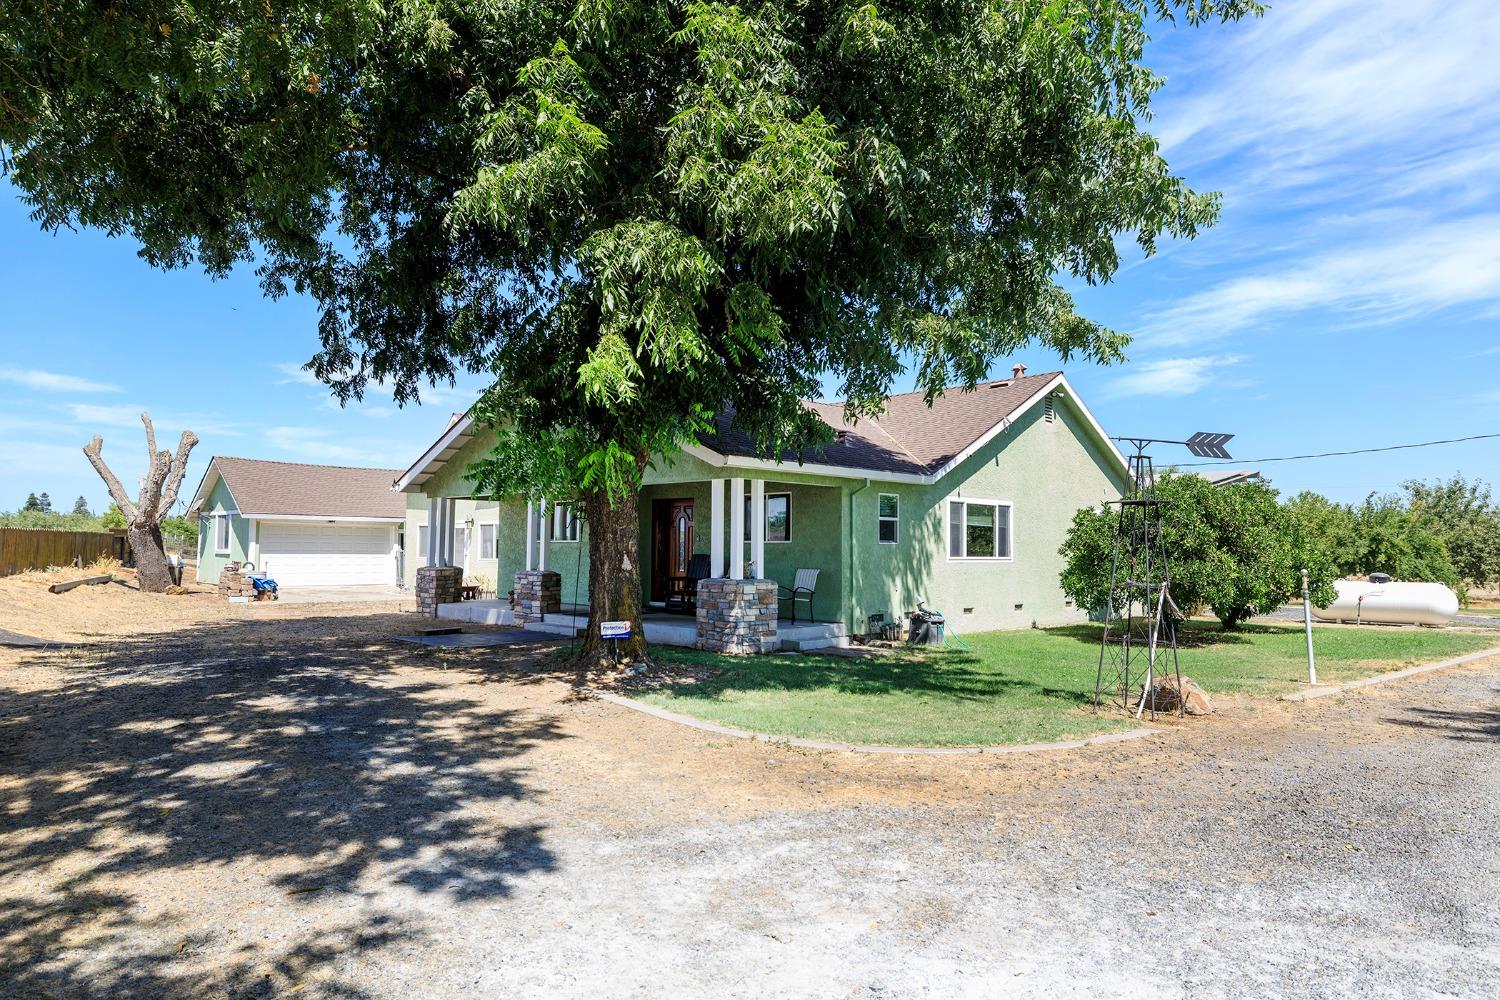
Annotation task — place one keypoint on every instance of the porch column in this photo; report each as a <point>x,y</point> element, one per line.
<point>434,506</point>
<point>716,527</point>
<point>530,535</point>
<point>758,528</point>
<point>541,543</point>
<point>449,508</point>
<point>736,528</point>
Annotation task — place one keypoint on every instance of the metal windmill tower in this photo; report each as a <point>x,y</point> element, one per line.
<point>1140,619</point>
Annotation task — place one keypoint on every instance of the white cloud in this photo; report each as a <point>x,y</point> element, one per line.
<point>1169,376</point>
<point>1309,84</point>
<point>312,443</point>
<point>1387,278</point>
<point>167,426</point>
<point>295,374</point>
<point>53,382</point>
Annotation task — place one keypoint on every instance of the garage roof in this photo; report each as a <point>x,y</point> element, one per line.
<point>297,490</point>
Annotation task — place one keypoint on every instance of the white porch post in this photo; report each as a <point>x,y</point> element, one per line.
<point>449,508</point>
<point>530,534</point>
<point>434,508</point>
<point>736,529</point>
<point>541,543</point>
<point>716,527</point>
<point>758,528</point>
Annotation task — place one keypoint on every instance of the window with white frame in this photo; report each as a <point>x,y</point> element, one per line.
<point>979,529</point>
<point>778,517</point>
<point>888,514</point>
<point>487,549</point>
<point>560,523</point>
<point>221,534</point>
<point>421,545</point>
<point>460,543</point>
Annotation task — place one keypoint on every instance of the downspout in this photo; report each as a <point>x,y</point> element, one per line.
<point>849,574</point>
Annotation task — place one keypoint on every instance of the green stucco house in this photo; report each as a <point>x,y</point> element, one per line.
<point>964,504</point>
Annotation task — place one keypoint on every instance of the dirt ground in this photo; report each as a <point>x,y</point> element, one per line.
<point>262,801</point>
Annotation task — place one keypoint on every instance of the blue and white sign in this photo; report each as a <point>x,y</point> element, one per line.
<point>614,630</point>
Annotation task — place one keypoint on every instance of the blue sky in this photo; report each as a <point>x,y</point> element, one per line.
<point>1349,297</point>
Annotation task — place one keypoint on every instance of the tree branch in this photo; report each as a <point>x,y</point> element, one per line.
<point>150,438</point>
<point>174,479</point>
<point>116,491</point>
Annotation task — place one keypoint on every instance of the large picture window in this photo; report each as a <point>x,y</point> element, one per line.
<point>979,529</point>
<point>778,517</point>
<point>889,516</point>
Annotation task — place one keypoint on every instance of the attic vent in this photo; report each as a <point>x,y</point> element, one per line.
<point>839,437</point>
<point>1049,410</point>
<point>1000,385</point>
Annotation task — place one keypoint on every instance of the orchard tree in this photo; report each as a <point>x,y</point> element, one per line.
<point>633,219</point>
<point>143,516</point>
<point>1464,514</point>
<point>1232,549</point>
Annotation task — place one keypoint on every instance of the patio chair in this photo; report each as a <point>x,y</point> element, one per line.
<point>804,585</point>
<point>682,591</point>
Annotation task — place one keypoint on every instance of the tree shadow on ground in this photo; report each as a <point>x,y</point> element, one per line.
<point>1190,634</point>
<point>1479,725</point>
<point>952,675</point>
<point>293,746</point>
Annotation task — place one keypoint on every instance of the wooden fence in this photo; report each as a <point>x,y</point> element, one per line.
<point>29,548</point>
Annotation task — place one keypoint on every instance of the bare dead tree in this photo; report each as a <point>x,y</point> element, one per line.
<point>143,516</point>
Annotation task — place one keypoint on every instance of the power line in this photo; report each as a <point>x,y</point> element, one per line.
<point>1333,454</point>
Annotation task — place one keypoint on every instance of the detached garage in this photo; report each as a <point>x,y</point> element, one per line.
<point>304,525</point>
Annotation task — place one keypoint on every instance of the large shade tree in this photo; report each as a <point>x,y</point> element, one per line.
<point>634,218</point>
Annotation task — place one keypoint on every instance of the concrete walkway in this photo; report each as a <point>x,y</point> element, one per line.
<point>343,595</point>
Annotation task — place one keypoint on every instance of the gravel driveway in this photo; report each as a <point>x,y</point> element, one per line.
<point>259,809</point>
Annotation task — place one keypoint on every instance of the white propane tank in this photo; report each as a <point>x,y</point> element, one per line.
<point>1390,603</point>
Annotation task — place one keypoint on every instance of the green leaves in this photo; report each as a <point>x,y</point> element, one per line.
<point>1234,550</point>
<point>628,216</point>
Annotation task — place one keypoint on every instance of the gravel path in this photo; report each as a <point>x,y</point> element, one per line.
<point>263,809</point>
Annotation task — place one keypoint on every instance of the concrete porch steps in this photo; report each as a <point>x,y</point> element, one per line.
<point>683,631</point>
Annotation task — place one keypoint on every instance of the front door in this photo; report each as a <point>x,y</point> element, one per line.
<point>671,543</point>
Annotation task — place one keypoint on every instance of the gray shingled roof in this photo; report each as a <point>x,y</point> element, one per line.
<point>909,437</point>
<point>293,488</point>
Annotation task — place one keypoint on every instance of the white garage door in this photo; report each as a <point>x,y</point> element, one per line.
<point>318,554</point>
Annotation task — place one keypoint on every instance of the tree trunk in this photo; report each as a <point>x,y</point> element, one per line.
<point>150,557</point>
<point>614,576</point>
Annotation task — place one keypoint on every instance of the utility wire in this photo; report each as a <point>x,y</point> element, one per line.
<point>1332,454</point>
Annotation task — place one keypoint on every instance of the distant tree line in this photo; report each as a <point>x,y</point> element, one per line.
<point>1239,550</point>
<point>37,513</point>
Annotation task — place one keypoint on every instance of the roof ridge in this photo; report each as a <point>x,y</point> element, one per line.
<point>305,465</point>
<point>958,388</point>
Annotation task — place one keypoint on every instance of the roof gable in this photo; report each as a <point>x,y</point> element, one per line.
<point>294,489</point>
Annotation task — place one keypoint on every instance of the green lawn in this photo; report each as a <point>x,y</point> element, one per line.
<point>1016,687</point>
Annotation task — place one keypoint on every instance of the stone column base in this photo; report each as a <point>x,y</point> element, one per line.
<point>438,585</point>
<point>538,593</point>
<point>737,616</point>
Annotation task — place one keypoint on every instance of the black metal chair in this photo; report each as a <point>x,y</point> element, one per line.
<point>804,585</point>
<point>682,591</point>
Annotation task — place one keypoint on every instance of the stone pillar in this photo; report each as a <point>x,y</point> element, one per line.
<point>438,585</point>
<point>538,593</point>
<point>737,616</point>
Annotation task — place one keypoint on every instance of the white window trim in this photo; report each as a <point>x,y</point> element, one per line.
<point>571,525</point>
<point>479,527</point>
<point>767,535</point>
<point>222,518</point>
<point>881,520</point>
<point>1010,529</point>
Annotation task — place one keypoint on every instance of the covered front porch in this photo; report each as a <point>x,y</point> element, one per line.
<point>688,534</point>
